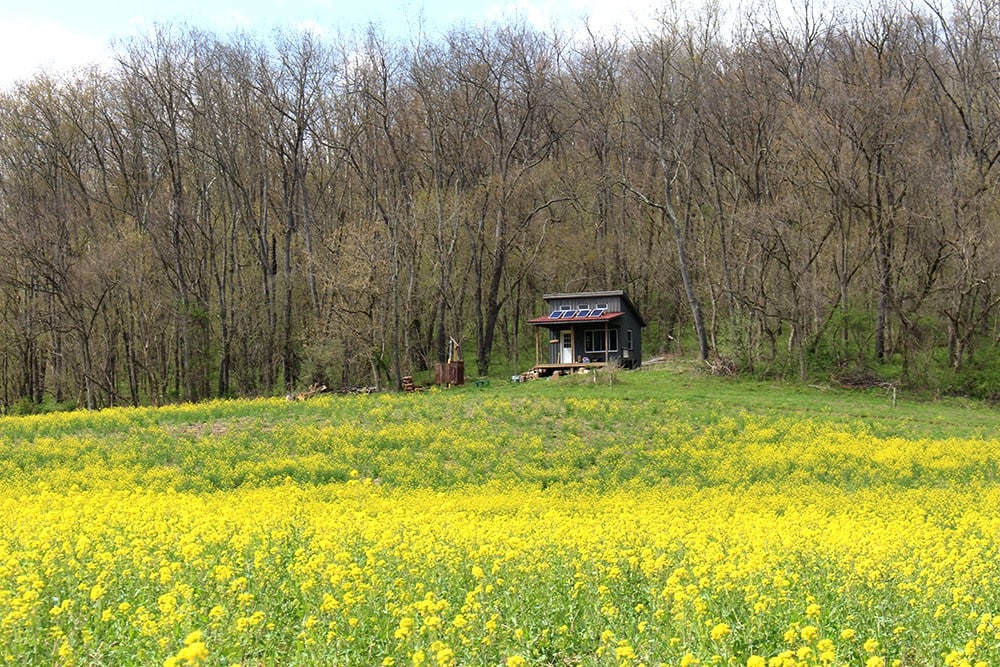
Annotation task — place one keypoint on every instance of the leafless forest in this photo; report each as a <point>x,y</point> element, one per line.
<point>808,197</point>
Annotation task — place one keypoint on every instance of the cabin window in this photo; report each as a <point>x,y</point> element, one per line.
<point>594,340</point>
<point>628,339</point>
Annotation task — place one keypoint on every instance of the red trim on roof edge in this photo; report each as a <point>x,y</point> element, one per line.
<point>575,320</point>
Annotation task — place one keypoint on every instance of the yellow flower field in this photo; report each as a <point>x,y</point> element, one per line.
<point>759,563</point>
<point>356,574</point>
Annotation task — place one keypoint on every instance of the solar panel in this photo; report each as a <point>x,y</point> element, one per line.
<point>556,314</point>
<point>583,312</point>
<point>597,312</point>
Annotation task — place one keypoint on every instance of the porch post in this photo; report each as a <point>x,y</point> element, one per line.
<point>607,344</point>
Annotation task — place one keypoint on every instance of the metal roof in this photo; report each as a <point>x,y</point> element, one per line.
<point>606,317</point>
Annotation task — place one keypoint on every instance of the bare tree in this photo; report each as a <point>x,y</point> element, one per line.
<point>446,132</point>
<point>157,84</point>
<point>667,76</point>
<point>504,77</point>
<point>290,91</point>
<point>960,50</point>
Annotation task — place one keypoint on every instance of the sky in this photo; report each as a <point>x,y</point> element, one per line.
<point>61,35</point>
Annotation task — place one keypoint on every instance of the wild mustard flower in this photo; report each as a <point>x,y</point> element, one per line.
<point>193,653</point>
<point>624,651</point>
<point>444,656</point>
<point>65,650</point>
<point>405,628</point>
<point>719,631</point>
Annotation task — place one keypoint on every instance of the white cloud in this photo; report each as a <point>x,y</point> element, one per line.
<point>538,14</point>
<point>626,15</point>
<point>310,26</point>
<point>231,20</point>
<point>27,48</point>
<point>600,15</point>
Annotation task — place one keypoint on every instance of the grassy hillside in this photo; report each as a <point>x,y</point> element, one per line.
<point>662,519</point>
<point>661,426</point>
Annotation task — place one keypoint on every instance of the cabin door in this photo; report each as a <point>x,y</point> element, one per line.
<point>566,347</point>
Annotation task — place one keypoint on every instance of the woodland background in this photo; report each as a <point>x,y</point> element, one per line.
<point>217,215</point>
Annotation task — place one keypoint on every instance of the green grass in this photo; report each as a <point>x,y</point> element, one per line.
<point>660,426</point>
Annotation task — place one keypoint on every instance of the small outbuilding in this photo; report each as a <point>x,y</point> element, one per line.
<point>587,330</point>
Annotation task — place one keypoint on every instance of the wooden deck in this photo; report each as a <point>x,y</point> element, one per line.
<point>544,370</point>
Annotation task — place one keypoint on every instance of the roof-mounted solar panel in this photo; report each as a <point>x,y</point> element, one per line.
<point>556,314</point>
<point>583,312</point>
<point>597,312</point>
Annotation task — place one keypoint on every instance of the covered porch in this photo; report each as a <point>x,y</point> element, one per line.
<point>569,344</point>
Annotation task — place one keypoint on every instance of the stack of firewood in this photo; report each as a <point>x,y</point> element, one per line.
<point>309,393</point>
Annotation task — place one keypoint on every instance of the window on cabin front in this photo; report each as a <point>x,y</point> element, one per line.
<point>594,340</point>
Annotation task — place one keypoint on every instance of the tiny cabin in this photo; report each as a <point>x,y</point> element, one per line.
<point>587,330</point>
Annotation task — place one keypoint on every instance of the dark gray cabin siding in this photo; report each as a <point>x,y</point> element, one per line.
<point>630,356</point>
<point>614,304</point>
